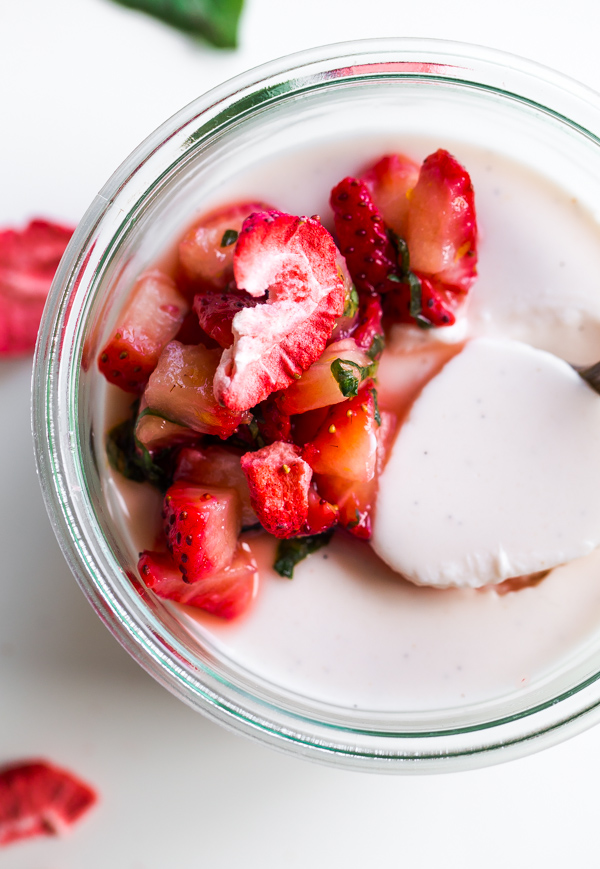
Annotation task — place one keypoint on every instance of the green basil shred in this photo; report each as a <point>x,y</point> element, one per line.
<point>296,549</point>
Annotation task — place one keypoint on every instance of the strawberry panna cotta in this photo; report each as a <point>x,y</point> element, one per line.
<point>254,366</point>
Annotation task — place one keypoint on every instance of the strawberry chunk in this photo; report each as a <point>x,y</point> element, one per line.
<point>294,260</point>
<point>369,330</point>
<point>363,237</point>
<point>216,311</point>
<point>227,593</point>
<point>442,226</point>
<point>273,422</point>
<point>436,304</point>
<point>181,390</point>
<point>217,466</point>
<point>202,524</point>
<point>152,316</point>
<point>28,261</point>
<point>346,444</point>
<point>279,481</point>
<point>38,799</point>
<point>321,514</point>
<point>206,250</point>
<point>391,181</point>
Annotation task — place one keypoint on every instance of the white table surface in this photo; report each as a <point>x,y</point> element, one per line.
<point>82,82</point>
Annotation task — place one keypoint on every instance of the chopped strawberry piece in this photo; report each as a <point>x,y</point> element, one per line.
<point>273,422</point>
<point>202,524</point>
<point>279,482</point>
<point>216,311</point>
<point>338,373</point>
<point>28,261</point>
<point>226,593</point>
<point>346,444</point>
<point>294,259</point>
<point>38,799</point>
<point>306,425</point>
<point>191,332</point>
<point>216,466</point>
<point>369,331</point>
<point>181,390</point>
<point>156,433</point>
<point>152,316</point>
<point>363,237</point>
<point>206,250</point>
<point>436,306</point>
<point>442,226</point>
<point>321,514</point>
<point>391,181</point>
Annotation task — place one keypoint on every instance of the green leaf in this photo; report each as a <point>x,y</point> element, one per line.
<point>214,20</point>
<point>377,347</point>
<point>295,549</point>
<point>350,375</point>
<point>131,459</point>
<point>409,277</point>
<point>376,403</point>
<point>352,302</point>
<point>230,236</point>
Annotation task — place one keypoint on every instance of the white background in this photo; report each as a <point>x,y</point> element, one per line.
<point>81,83</point>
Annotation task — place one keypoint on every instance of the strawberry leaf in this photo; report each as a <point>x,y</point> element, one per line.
<point>296,549</point>
<point>214,20</point>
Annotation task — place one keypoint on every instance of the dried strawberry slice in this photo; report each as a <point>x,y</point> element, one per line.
<point>28,262</point>
<point>38,799</point>
<point>294,260</point>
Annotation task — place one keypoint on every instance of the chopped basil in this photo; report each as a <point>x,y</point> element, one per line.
<point>409,277</point>
<point>131,459</point>
<point>230,236</point>
<point>352,302</point>
<point>350,375</point>
<point>214,20</point>
<point>377,346</point>
<point>376,403</point>
<point>290,552</point>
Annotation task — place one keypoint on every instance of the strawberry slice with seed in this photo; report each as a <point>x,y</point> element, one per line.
<point>321,514</point>
<point>279,481</point>
<point>152,316</point>
<point>39,799</point>
<point>216,466</point>
<point>442,225</point>
<point>201,524</point>
<point>294,261</point>
<point>391,181</point>
<point>368,334</point>
<point>28,261</point>
<point>363,237</point>
<point>216,311</point>
<point>227,593</point>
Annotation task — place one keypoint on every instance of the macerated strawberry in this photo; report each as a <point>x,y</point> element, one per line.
<point>273,422</point>
<point>279,482</point>
<point>363,238</point>
<point>151,317</point>
<point>38,799</point>
<point>28,261</point>
<point>201,525</point>
<point>442,226</point>
<point>216,466</point>
<point>155,433</point>
<point>206,250</point>
<point>369,331</point>
<point>346,444</point>
<point>191,332</point>
<point>334,377</point>
<point>435,306</point>
<point>294,260</point>
<point>226,593</point>
<point>321,514</point>
<point>181,390</point>
<point>391,181</point>
<point>216,311</point>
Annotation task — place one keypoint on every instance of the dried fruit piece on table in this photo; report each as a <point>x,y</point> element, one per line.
<point>28,261</point>
<point>39,799</point>
<point>292,261</point>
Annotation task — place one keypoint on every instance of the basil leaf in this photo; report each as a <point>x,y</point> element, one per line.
<point>230,236</point>
<point>295,549</point>
<point>377,415</point>
<point>377,347</point>
<point>214,20</point>
<point>350,375</point>
<point>352,302</point>
<point>131,459</point>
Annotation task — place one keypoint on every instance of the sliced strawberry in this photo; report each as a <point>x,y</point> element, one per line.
<point>216,312</point>
<point>369,331</point>
<point>226,593</point>
<point>334,377</point>
<point>191,332</point>
<point>216,466</point>
<point>152,316</point>
<point>38,799</point>
<point>294,259</point>
<point>156,433</point>
<point>346,444</point>
<point>321,514</point>
<point>181,390</point>
<point>363,238</point>
<point>391,181</point>
<point>436,303</point>
<point>442,226</point>
<point>202,524</point>
<point>279,482</point>
<point>272,421</point>
<point>206,250</point>
<point>28,261</point>
<point>306,425</point>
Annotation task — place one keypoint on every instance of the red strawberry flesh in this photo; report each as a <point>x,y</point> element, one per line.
<point>391,181</point>
<point>28,261</point>
<point>216,311</point>
<point>294,260</point>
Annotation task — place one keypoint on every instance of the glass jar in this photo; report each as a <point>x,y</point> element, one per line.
<point>384,89</point>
